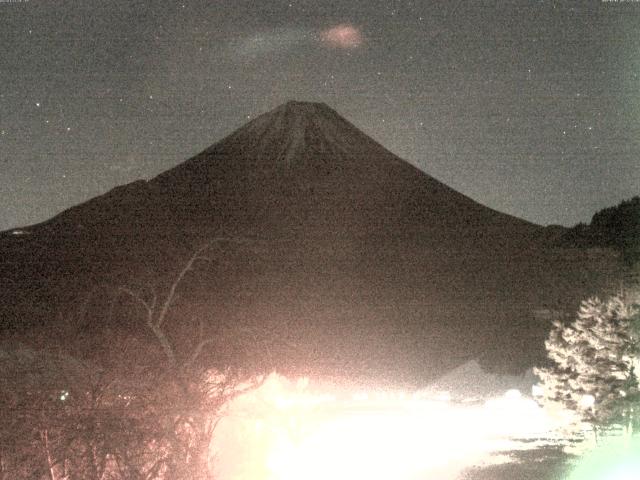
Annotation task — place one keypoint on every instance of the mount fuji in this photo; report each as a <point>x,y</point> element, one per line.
<point>328,254</point>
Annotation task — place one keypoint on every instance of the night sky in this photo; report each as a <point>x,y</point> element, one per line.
<point>529,107</point>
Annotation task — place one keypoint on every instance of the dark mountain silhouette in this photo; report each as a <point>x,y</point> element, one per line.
<point>331,255</point>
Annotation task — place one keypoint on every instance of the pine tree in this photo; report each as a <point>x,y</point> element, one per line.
<point>596,362</point>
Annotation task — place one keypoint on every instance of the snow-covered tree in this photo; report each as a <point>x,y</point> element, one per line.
<point>596,362</point>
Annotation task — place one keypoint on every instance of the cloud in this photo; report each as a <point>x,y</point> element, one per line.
<point>342,36</point>
<point>282,40</point>
<point>276,41</point>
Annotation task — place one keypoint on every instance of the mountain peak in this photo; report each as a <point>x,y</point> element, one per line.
<point>295,115</point>
<point>305,139</point>
<point>297,129</point>
<point>295,112</point>
<point>299,109</point>
<point>301,106</point>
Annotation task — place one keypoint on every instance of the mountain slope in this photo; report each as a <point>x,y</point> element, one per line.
<point>336,256</point>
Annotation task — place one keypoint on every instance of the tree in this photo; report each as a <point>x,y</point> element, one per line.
<point>595,362</point>
<point>186,395</point>
<point>64,417</point>
<point>616,227</point>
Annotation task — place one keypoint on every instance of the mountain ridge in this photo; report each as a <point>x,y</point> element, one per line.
<point>295,114</point>
<point>352,259</point>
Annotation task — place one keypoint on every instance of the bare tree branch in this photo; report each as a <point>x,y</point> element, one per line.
<point>197,349</point>
<point>172,291</point>
<point>155,318</point>
<point>148,308</point>
<point>154,300</point>
<point>155,329</point>
<point>164,343</point>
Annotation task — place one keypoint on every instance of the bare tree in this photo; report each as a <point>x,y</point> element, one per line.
<point>63,418</point>
<point>194,392</point>
<point>155,314</point>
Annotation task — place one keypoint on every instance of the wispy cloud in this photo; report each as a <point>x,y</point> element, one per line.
<point>283,40</point>
<point>278,40</point>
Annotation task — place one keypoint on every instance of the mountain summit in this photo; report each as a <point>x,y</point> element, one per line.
<point>303,160</point>
<point>328,254</point>
<point>301,126</point>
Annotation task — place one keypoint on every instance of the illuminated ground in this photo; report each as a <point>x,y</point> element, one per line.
<point>541,463</point>
<point>285,431</point>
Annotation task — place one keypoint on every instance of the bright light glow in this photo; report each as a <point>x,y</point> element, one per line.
<point>287,431</point>
<point>616,459</point>
<point>513,394</point>
<point>587,401</point>
<point>537,391</point>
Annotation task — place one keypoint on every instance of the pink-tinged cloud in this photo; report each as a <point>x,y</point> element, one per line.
<point>342,36</point>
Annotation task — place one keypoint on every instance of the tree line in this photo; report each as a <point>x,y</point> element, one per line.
<point>616,227</point>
